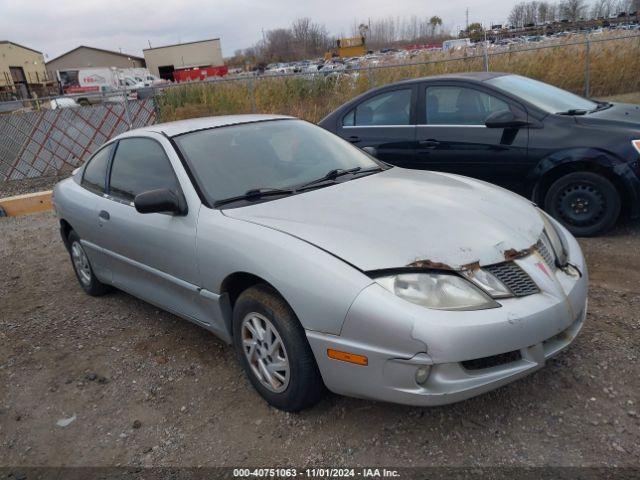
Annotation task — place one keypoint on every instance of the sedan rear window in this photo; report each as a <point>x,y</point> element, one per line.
<point>229,161</point>
<point>95,173</point>
<point>388,108</point>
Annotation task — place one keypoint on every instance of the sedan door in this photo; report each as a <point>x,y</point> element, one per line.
<point>151,256</point>
<point>452,136</point>
<point>384,125</point>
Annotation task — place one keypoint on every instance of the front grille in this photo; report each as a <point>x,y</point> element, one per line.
<point>545,251</point>
<point>492,361</point>
<point>514,278</point>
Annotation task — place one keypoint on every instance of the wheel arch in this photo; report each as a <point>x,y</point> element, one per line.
<point>65,230</point>
<point>559,164</point>
<point>235,283</point>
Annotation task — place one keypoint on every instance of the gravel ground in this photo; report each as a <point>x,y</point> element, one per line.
<point>137,386</point>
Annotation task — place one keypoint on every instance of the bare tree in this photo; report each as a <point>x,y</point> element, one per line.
<point>572,10</point>
<point>518,14</point>
<point>602,8</point>
<point>546,12</point>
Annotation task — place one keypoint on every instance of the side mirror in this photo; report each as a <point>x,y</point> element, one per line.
<point>161,200</point>
<point>504,119</point>
<point>373,151</point>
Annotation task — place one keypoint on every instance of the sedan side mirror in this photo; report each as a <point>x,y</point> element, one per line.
<point>161,200</point>
<point>504,119</point>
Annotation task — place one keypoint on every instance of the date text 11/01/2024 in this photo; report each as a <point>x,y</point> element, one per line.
<point>316,472</point>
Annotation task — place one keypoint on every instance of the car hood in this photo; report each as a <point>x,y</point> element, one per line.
<point>402,217</point>
<point>619,114</point>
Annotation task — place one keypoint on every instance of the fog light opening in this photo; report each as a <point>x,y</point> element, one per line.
<point>422,375</point>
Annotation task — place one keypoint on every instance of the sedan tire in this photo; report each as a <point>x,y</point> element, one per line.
<point>586,203</point>
<point>273,350</point>
<point>82,268</point>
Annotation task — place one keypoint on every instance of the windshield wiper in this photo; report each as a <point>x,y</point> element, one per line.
<point>330,175</point>
<point>255,194</point>
<point>338,172</point>
<point>602,106</point>
<point>574,111</point>
<point>258,193</point>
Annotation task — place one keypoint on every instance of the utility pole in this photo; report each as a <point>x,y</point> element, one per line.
<point>467,19</point>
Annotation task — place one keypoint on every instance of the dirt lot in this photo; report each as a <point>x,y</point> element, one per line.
<point>146,388</point>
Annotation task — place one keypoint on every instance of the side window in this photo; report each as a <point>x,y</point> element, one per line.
<point>390,108</point>
<point>349,120</point>
<point>140,165</point>
<point>460,106</point>
<point>95,173</point>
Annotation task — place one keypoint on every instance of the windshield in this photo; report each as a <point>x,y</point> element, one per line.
<point>544,96</point>
<point>282,154</point>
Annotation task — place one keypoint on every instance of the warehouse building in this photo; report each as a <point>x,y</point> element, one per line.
<point>90,57</point>
<point>22,71</point>
<point>164,61</point>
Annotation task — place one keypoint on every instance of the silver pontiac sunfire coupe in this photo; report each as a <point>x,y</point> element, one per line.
<point>323,266</point>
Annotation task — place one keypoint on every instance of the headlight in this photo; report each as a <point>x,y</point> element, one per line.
<point>440,291</point>
<point>636,144</point>
<point>554,240</point>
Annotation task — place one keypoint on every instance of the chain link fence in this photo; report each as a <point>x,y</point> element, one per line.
<point>40,141</point>
<point>44,142</point>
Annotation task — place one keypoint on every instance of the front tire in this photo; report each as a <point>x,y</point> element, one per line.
<point>586,203</point>
<point>273,350</point>
<point>82,268</point>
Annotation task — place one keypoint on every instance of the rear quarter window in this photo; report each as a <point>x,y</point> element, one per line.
<point>95,173</point>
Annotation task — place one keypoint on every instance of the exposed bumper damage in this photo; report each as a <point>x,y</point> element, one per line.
<point>465,355</point>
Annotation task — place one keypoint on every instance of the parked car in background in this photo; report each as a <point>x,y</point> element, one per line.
<point>63,102</point>
<point>322,265</point>
<point>577,158</point>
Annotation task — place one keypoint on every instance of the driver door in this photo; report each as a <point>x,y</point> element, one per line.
<point>452,136</point>
<point>152,256</point>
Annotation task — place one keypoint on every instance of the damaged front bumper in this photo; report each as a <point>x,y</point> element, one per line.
<point>464,353</point>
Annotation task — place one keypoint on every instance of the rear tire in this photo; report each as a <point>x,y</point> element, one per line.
<point>273,350</point>
<point>586,203</point>
<point>82,268</point>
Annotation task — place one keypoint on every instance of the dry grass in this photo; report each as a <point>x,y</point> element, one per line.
<point>614,70</point>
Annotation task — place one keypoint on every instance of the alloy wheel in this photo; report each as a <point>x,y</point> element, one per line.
<point>264,350</point>
<point>81,263</point>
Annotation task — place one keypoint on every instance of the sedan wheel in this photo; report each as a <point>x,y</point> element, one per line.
<point>272,347</point>
<point>81,263</point>
<point>265,352</point>
<point>82,267</point>
<point>586,203</point>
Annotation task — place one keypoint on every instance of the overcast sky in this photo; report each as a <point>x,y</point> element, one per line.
<point>54,27</point>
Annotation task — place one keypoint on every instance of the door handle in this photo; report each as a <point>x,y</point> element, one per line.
<point>354,139</point>
<point>104,215</point>
<point>430,143</point>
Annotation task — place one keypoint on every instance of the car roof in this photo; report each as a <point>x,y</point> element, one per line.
<point>179,127</point>
<point>477,76</point>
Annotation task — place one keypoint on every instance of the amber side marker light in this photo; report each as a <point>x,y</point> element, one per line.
<point>636,143</point>
<point>347,357</point>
